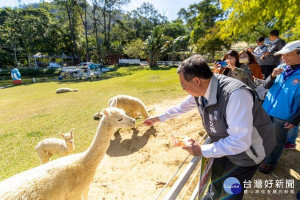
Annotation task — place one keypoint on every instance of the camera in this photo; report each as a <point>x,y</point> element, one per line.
<point>222,63</point>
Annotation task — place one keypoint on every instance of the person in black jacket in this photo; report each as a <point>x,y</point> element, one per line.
<point>269,60</point>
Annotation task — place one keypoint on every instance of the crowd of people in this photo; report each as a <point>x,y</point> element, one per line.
<point>247,133</point>
<point>258,63</point>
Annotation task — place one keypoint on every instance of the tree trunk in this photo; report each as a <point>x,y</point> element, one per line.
<point>108,32</point>
<point>95,20</point>
<point>15,52</point>
<point>97,40</point>
<point>72,30</point>
<point>104,25</point>
<point>86,36</point>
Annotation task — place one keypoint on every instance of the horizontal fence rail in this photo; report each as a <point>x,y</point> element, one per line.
<point>201,166</point>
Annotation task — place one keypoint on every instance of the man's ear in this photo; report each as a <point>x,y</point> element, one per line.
<point>197,80</point>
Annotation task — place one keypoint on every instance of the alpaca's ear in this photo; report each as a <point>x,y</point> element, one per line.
<point>62,135</point>
<point>113,103</point>
<point>105,112</point>
<point>72,130</point>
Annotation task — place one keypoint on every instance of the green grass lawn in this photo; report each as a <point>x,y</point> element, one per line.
<point>33,112</point>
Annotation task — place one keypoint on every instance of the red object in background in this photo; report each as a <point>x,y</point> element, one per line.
<point>17,82</point>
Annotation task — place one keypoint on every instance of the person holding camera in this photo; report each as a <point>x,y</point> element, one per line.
<point>234,69</point>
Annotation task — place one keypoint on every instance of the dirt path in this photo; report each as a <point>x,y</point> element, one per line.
<point>139,162</point>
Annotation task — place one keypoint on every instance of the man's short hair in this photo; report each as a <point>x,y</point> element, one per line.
<point>274,33</point>
<point>195,66</point>
<point>260,39</point>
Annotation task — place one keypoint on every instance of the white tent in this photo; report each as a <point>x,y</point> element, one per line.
<point>37,55</point>
<point>40,55</point>
<point>64,56</point>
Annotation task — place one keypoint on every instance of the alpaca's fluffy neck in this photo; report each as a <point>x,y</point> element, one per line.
<point>69,146</point>
<point>100,144</point>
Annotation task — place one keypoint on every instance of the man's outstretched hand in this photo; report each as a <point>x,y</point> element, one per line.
<point>151,121</point>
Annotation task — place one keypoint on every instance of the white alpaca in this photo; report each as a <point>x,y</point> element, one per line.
<point>98,115</point>
<point>132,105</point>
<point>69,177</point>
<point>63,90</point>
<point>92,75</point>
<point>50,146</point>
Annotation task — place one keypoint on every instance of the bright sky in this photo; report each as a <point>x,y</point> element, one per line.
<point>167,7</point>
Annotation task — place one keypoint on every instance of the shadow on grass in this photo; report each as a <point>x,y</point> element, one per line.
<point>163,67</point>
<point>107,75</point>
<point>119,147</point>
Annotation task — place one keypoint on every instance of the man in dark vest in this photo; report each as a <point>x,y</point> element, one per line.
<point>241,131</point>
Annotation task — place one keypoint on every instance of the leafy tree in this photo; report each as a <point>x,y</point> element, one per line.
<point>83,8</point>
<point>95,15</point>
<point>201,19</point>
<point>155,46</point>
<point>211,43</point>
<point>135,49</point>
<point>246,16</point>
<point>145,18</point>
<point>173,47</point>
<point>123,29</point>
<point>8,39</point>
<point>28,31</point>
<point>109,10</point>
<point>148,12</point>
<point>174,29</point>
<point>207,12</point>
<point>204,13</point>
<point>69,8</point>
<point>180,43</point>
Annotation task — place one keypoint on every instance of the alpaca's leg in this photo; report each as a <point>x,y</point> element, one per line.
<point>49,156</point>
<point>44,157</point>
<point>85,194</point>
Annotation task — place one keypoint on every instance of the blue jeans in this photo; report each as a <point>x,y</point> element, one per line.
<point>293,134</point>
<point>281,135</point>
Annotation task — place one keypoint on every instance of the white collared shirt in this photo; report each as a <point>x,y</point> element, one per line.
<point>239,119</point>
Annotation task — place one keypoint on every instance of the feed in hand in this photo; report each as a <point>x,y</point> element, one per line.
<point>181,141</point>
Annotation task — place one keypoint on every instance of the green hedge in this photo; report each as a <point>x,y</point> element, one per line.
<point>33,72</point>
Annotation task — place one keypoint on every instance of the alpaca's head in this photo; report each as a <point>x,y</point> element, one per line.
<point>68,137</point>
<point>118,118</point>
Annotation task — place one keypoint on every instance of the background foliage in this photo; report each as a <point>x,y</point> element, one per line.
<point>98,29</point>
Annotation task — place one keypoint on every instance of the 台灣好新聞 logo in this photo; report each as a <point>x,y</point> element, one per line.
<point>232,185</point>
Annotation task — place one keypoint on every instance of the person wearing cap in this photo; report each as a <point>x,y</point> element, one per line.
<point>282,102</point>
<point>268,60</point>
<point>259,50</point>
<point>240,130</point>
